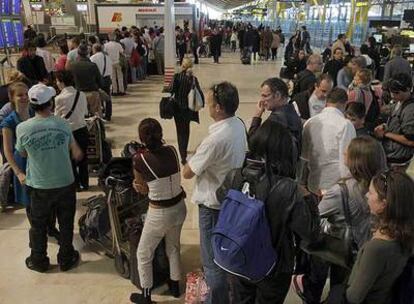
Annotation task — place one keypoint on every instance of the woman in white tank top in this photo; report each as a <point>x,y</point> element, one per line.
<point>157,173</point>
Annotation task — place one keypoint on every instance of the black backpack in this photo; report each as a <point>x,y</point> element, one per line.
<point>403,292</point>
<point>374,110</point>
<point>296,83</point>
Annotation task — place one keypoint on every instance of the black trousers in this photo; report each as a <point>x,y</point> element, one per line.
<point>80,169</point>
<point>272,289</point>
<point>314,281</point>
<point>43,202</point>
<point>108,103</point>
<point>183,135</point>
<point>274,53</point>
<point>195,55</point>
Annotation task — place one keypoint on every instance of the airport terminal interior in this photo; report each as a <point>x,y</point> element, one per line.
<point>303,67</point>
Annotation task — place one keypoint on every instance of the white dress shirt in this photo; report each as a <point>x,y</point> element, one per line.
<point>113,49</point>
<point>129,45</point>
<point>64,102</point>
<point>47,58</point>
<point>325,138</point>
<point>99,60</point>
<point>222,150</point>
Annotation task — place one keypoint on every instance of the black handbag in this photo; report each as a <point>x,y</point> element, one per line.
<point>167,107</point>
<point>336,244</point>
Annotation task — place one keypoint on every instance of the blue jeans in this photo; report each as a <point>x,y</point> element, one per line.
<point>216,277</point>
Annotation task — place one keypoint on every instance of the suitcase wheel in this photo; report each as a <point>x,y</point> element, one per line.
<point>122,265</point>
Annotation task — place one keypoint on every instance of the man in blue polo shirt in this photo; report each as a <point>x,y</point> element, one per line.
<point>48,143</point>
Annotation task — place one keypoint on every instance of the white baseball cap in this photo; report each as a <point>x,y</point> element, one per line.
<point>40,94</point>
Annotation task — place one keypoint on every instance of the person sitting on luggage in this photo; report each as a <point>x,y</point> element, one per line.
<point>311,102</point>
<point>157,173</point>
<point>381,260</point>
<point>272,149</point>
<point>71,105</point>
<point>355,113</point>
<point>364,158</point>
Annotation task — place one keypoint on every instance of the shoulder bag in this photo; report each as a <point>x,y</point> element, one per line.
<point>336,244</point>
<point>195,100</point>
<point>69,114</point>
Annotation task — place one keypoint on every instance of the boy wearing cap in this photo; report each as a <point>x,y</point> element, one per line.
<point>48,143</point>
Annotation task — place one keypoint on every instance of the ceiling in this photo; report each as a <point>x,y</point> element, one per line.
<point>226,4</point>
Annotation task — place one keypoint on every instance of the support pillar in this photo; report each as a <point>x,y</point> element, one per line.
<point>169,32</point>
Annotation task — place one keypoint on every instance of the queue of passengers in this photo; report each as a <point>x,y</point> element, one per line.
<point>312,166</point>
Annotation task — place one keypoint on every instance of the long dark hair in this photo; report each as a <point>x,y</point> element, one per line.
<point>396,220</point>
<point>275,144</point>
<point>150,133</point>
<point>366,157</point>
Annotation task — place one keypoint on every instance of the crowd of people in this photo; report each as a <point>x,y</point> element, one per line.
<point>332,153</point>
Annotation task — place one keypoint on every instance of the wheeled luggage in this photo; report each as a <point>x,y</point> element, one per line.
<point>246,56</point>
<point>99,150</point>
<point>115,222</point>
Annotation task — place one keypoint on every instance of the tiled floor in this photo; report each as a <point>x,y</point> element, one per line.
<point>95,280</point>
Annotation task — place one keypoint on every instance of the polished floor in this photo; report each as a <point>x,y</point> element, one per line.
<point>95,280</point>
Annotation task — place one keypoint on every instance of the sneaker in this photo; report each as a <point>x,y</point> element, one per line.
<point>42,267</point>
<point>297,285</point>
<point>73,262</point>
<point>174,287</point>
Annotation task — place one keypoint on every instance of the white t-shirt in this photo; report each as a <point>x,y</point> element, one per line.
<point>63,104</point>
<point>326,136</point>
<point>113,49</point>
<point>99,60</point>
<point>221,151</point>
<point>47,58</point>
<point>129,45</point>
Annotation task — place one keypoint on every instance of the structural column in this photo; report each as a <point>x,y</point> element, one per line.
<point>169,32</point>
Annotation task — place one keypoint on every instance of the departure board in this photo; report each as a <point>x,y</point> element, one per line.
<point>18,32</point>
<point>8,32</point>
<point>5,7</point>
<point>16,7</point>
<point>1,39</point>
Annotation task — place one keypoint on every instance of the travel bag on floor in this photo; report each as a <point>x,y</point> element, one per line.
<point>196,290</point>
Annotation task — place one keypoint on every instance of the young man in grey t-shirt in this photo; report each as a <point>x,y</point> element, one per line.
<point>48,143</point>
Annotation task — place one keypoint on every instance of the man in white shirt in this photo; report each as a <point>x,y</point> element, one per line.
<point>220,152</point>
<point>104,64</point>
<point>45,54</point>
<point>74,114</point>
<point>114,50</point>
<point>325,139</point>
<point>310,103</point>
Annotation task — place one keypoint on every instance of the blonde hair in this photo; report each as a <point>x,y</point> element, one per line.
<point>15,76</point>
<point>365,76</point>
<point>187,65</point>
<point>12,88</point>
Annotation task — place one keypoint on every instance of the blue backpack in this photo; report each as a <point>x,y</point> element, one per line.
<point>241,240</point>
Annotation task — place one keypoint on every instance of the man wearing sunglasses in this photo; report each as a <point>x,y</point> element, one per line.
<point>398,133</point>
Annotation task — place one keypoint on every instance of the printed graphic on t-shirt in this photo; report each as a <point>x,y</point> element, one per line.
<point>46,139</point>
